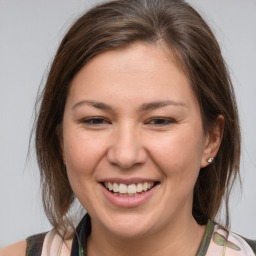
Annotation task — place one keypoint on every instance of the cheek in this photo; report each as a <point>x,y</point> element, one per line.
<point>178,154</point>
<point>82,153</point>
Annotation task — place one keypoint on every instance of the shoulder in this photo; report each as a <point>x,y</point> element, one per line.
<point>231,244</point>
<point>41,244</point>
<point>246,243</point>
<point>31,246</point>
<point>252,243</point>
<point>17,249</point>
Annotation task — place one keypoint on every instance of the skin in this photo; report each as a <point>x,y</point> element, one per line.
<point>164,143</point>
<point>132,138</point>
<point>18,249</point>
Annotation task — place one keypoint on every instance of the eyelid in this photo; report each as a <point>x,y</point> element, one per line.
<point>89,121</point>
<point>96,121</point>
<point>166,121</point>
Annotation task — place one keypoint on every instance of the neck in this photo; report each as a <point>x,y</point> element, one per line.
<point>181,237</point>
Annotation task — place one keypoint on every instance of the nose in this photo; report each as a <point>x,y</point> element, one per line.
<point>126,148</point>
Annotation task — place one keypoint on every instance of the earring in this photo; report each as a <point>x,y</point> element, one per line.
<point>210,160</point>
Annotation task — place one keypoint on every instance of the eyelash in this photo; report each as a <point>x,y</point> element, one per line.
<point>98,121</point>
<point>163,121</point>
<point>90,121</point>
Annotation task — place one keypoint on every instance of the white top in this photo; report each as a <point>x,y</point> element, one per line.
<point>54,245</point>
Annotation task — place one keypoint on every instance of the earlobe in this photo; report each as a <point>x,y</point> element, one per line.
<point>213,142</point>
<point>210,160</point>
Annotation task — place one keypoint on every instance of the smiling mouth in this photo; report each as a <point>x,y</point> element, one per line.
<point>131,190</point>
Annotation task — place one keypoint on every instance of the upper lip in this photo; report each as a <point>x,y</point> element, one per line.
<point>128,181</point>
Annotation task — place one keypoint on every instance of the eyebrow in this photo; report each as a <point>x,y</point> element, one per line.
<point>143,108</point>
<point>159,104</point>
<point>96,104</point>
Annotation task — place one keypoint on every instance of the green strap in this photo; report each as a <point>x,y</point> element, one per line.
<point>206,240</point>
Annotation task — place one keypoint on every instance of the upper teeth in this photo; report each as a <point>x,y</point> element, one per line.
<point>130,189</point>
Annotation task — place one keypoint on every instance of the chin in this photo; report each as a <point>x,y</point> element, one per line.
<point>129,226</point>
<point>130,232</point>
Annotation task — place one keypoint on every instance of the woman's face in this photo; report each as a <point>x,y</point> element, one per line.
<point>133,142</point>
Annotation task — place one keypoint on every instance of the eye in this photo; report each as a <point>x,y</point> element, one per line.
<point>95,121</point>
<point>159,121</point>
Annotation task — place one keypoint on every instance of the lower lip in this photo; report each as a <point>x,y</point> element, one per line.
<point>128,202</point>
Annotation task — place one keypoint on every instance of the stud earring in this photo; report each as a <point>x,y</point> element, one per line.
<point>210,160</point>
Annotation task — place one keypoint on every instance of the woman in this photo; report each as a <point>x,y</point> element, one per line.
<point>138,121</point>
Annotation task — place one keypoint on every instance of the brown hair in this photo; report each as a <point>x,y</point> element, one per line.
<point>117,24</point>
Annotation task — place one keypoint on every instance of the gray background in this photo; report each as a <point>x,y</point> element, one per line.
<point>31,30</point>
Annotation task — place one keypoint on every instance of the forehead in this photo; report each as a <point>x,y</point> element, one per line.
<point>136,72</point>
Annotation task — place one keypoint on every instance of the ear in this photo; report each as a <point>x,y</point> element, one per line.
<point>213,141</point>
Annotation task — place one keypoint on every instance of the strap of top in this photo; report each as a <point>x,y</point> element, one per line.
<point>207,239</point>
<point>81,236</point>
<point>35,245</point>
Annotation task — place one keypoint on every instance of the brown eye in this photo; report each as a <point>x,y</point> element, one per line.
<point>160,121</point>
<point>95,121</point>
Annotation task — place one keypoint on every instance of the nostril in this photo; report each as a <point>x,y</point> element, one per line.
<point>126,159</point>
